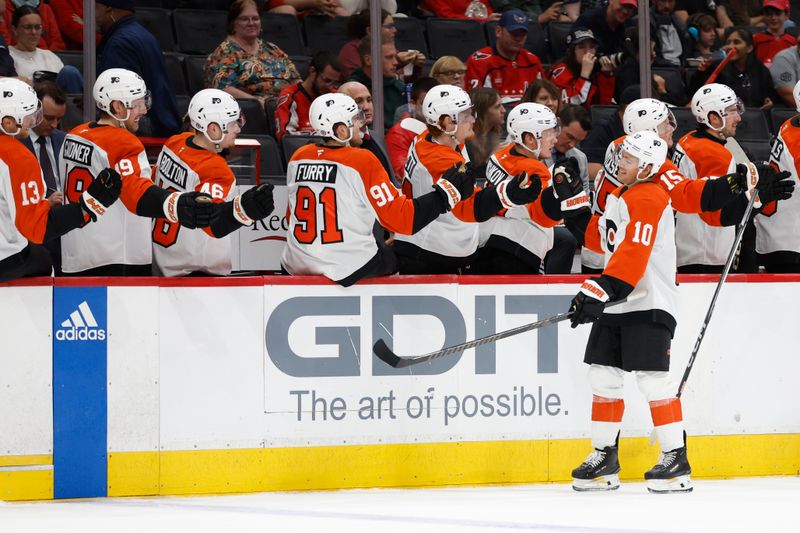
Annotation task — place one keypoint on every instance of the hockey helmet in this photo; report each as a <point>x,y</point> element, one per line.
<point>120,84</point>
<point>214,106</point>
<point>328,110</point>
<point>445,100</point>
<point>648,148</point>
<point>18,100</point>
<point>715,98</point>
<point>647,114</point>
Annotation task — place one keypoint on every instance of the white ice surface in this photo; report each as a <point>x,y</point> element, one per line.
<point>753,505</point>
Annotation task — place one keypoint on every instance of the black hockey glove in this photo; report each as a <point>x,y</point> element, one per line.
<point>568,187</point>
<point>773,185</point>
<point>101,193</point>
<point>455,185</point>
<point>519,190</point>
<point>191,209</point>
<point>255,204</point>
<point>588,304</point>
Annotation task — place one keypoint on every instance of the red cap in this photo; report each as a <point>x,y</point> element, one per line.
<point>634,3</point>
<point>781,5</point>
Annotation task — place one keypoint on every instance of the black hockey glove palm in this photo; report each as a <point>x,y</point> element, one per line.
<point>455,185</point>
<point>256,203</point>
<point>519,190</point>
<point>196,210</point>
<point>101,193</point>
<point>568,187</point>
<point>773,185</point>
<point>588,304</point>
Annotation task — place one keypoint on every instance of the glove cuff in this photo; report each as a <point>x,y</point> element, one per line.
<point>450,190</point>
<point>171,207</point>
<point>92,206</point>
<point>593,289</point>
<point>751,180</point>
<point>502,194</point>
<point>239,213</point>
<point>576,202</point>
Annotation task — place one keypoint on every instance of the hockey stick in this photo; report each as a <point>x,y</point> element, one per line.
<point>725,61</point>
<point>386,355</point>
<point>740,157</point>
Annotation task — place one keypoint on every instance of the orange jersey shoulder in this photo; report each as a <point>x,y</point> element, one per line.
<point>710,158</point>
<point>435,157</point>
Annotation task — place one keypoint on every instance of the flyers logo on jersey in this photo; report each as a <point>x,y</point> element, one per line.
<point>171,170</point>
<point>316,172</point>
<point>77,152</point>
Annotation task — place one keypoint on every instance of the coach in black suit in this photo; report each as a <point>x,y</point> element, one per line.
<point>45,142</point>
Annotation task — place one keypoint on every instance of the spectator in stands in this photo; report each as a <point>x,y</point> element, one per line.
<point>359,92</point>
<point>127,44</point>
<point>244,65</point>
<point>773,39</point>
<point>508,66</point>
<point>69,14</point>
<point>608,24</point>
<point>627,73</point>
<point>449,70</point>
<point>544,92</point>
<point>543,11</point>
<point>747,12</point>
<point>51,35</point>
<point>748,78</point>
<point>358,27</point>
<point>324,76</point>
<point>717,9</point>
<point>602,134</point>
<point>583,77</point>
<point>702,29</point>
<point>44,141</point>
<point>785,72</point>
<point>331,8</point>
<point>672,43</point>
<point>460,9</point>
<point>26,26</point>
<point>487,133</point>
<point>400,136</point>
<point>393,88</point>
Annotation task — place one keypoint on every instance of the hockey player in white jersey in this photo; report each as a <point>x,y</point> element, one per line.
<point>192,162</point>
<point>337,193</point>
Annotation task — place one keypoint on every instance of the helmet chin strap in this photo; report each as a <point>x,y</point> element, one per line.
<point>19,130</point>
<point>216,142</point>
<point>537,151</point>
<point>122,120</point>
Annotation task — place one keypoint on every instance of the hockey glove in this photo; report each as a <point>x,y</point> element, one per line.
<point>773,185</point>
<point>255,204</point>
<point>455,185</point>
<point>519,190</point>
<point>588,304</point>
<point>568,187</point>
<point>190,209</point>
<point>101,193</point>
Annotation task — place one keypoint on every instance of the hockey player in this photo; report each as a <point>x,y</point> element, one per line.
<point>338,192</point>
<point>778,227</point>
<point>517,241</point>
<point>27,219</point>
<point>637,235</point>
<point>450,243</point>
<point>120,243</point>
<point>192,162</point>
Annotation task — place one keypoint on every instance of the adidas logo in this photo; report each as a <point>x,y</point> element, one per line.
<point>81,326</point>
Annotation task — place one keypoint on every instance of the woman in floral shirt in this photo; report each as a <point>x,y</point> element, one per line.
<point>244,65</point>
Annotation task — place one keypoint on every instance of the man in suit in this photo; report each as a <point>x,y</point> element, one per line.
<point>45,142</point>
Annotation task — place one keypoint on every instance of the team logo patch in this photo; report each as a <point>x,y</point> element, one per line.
<point>786,76</point>
<point>481,55</point>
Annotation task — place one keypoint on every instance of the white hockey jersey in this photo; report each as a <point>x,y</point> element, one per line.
<point>183,166</point>
<point>120,236</point>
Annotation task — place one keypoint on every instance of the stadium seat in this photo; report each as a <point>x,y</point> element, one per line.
<point>779,115</point>
<point>602,113</point>
<point>195,75</point>
<point>157,22</point>
<point>753,126</point>
<point>757,150</point>
<point>218,5</point>
<point>149,3</point>
<point>71,58</point>
<point>270,106</point>
<point>451,37</point>
<point>255,119</point>
<point>176,72</point>
<point>685,120</point>
<point>284,31</point>
<point>74,114</point>
<point>290,144</point>
<point>325,33</point>
<point>557,35</point>
<point>410,35</point>
<point>272,167</point>
<point>536,41</point>
<point>673,80</point>
<point>199,32</point>
<point>301,63</point>
<point>183,104</point>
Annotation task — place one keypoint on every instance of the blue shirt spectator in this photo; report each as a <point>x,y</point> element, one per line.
<point>7,69</point>
<point>608,24</point>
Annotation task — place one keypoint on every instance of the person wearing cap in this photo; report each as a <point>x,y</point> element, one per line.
<point>508,66</point>
<point>773,39</point>
<point>608,24</point>
<point>584,79</point>
<point>127,44</point>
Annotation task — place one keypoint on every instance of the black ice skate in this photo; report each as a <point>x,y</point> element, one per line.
<point>671,474</point>
<point>598,472</point>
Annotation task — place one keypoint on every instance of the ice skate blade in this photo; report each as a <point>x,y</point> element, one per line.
<point>602,483</point>
<point>670,486</point>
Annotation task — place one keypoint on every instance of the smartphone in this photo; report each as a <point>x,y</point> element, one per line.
<point>694,61</point>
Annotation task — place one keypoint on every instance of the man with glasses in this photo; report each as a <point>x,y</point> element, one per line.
<point>324,76</point>
<point>508,66</point>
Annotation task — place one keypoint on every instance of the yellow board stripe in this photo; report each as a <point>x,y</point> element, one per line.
<point>25,460</point>
<point>18,485</point>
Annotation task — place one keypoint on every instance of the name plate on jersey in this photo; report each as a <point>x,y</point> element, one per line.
<point>171,170</point>
<point>317,172</point>
<point>77,152</point>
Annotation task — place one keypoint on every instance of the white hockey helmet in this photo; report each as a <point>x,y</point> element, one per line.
<point>796,94</point>
<point>647,114</point>
<point>648,148</point>
<point>714,98</point>
<point>445,100</point>
<point>214,106</point>
<point>120,84</point>
<point>531,118</point>
<point>18,100</point>
<point>328,110</point>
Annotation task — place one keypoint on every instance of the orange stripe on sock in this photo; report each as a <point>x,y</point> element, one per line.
<point>607,409</point>
<point>666,411</point>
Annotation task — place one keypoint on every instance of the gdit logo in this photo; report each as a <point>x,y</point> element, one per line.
<point>81,326</point>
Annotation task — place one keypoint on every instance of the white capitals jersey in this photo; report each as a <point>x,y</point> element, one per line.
<point>119,237</point>
<point>698,156</point>
<point>778,225</point>
<point>184,166</point>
